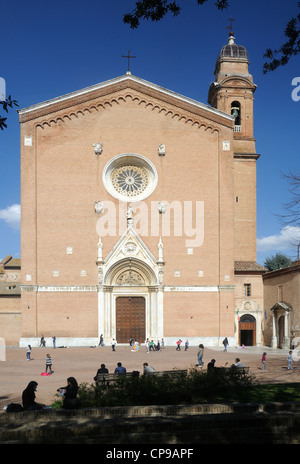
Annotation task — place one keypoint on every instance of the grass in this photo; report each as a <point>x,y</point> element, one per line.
<point>283,392</point>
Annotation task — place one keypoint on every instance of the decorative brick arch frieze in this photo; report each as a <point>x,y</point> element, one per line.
<point>172,112</point>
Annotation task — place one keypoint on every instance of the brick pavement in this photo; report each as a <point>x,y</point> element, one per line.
<point>82,363</point>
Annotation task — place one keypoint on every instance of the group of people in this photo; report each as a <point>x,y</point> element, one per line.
<point>135,344</point>
<point>120,370</point>
<point>43,341</point>
<point>48,360</point>
<point>178,345</point>
<point>69,393</point>
<point>151,346</point>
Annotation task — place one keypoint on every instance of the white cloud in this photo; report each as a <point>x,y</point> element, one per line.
<point>285,240</point>
<point>12,216</point>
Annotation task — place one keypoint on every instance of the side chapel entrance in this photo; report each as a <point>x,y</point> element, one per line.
<point>130,319</point>
<point>247,332</point>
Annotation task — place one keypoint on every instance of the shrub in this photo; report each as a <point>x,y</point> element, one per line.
<point>179,388</point>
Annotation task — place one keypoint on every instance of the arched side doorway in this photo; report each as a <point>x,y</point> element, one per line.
<point>247,330</point>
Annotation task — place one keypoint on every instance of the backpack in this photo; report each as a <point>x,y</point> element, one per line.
<point>14,407</point>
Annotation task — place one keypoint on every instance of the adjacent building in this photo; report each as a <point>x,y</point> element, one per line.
<point>10,300</point>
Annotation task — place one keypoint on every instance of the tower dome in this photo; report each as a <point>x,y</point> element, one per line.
<point>232,50</point>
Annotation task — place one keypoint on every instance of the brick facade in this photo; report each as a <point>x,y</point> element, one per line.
<point>71,272</point>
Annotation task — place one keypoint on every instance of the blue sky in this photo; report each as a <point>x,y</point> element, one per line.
<point>50,49</point>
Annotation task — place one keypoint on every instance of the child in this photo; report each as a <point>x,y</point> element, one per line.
<point>49,363</point>
<point>290,360</point>
<point>28,353</point>
<point>264,360</point>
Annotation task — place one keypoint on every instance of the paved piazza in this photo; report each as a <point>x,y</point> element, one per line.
<point>82,363</point>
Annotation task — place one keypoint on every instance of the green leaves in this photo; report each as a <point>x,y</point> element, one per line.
<point>290,48</point>
<point>8,103</point>
<point>154,10</point>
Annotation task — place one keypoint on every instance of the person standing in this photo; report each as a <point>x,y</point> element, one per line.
<point>113,344</point>
<point>147,345</point>
<point>101,341</point>
<point>290,360</point>
<point>54,342</point>
<point>28,353</point>
<point>200,355</point>
<point>48,364</point>
<point>225,343</point>
<point>264,360</point>
<point>186,345</point>
<point>178,343</point>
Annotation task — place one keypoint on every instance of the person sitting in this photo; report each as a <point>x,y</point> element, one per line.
<point>70,394</point>
<point>148,370</point>
<point>211,365</point>
<point>120,370</point>
<point>102,370</point>
<point>238,363</point>
<point>28,397</point>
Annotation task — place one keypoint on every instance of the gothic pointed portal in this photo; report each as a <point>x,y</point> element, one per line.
<point>130,297</point>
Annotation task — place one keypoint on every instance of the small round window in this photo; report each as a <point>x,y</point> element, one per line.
<point>129,177</point>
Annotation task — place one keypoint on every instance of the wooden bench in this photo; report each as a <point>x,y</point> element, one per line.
<point>107,379</point>
<point>172,373</point>
<point>237,370</point>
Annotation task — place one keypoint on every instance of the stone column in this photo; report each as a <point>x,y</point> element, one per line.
<point>274,341</point>
<point>286,342</point>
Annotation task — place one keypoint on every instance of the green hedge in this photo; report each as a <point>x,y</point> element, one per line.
<point>179,388</point>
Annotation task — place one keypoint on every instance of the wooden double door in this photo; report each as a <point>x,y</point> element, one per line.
<point>130,319</point>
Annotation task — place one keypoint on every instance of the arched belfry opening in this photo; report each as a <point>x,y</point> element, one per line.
<point>236,113</point>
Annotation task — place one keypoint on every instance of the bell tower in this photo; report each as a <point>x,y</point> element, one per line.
<point>233,92</point>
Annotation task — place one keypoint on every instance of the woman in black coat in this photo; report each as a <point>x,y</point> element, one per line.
<point>70,394</point>
<point>28,397</point>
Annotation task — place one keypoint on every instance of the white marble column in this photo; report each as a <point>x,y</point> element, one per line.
<point>274,341</point>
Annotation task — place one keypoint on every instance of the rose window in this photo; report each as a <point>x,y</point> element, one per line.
<point>129,181</point>
<point>129,177</point>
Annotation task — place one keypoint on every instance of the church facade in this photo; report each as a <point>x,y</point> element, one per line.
<point>139,213</point>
